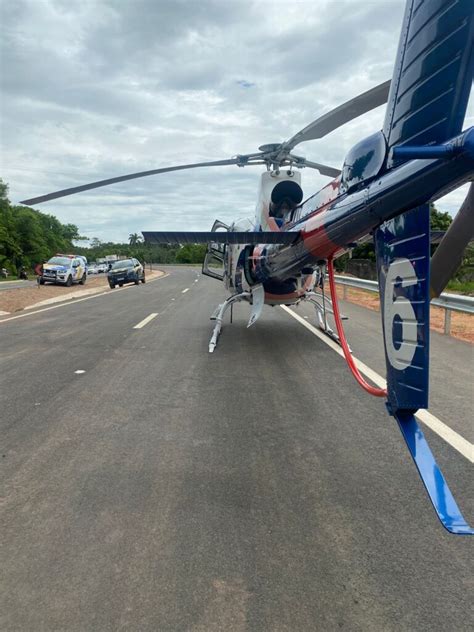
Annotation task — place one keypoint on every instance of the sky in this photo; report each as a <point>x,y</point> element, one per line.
<point>92,89</point>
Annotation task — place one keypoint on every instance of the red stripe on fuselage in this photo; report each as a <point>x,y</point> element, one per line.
<point>315,238</point>
<point>292,296</point>
<point>276,299</point>
<point>315,212</point>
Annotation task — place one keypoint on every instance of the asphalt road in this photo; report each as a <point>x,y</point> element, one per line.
<point>254,489</point>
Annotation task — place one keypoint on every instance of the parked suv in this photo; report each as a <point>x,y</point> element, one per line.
<point>65,270</point>
<point>126,271</point>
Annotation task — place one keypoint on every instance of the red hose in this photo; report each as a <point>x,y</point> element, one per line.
<point>378,392</point>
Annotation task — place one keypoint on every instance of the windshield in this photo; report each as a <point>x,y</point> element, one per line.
<point>123,264</point>
<point>60,261</point>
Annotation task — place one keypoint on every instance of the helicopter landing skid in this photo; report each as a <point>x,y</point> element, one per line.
<point>218,316</point>
<point>322,305</point>
<point>256,297</point>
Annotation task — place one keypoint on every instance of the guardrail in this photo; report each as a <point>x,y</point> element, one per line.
<point>448,302</point>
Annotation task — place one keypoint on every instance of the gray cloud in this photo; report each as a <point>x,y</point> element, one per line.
<point>105,87</point>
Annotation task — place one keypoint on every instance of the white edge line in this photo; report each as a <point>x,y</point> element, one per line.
<point>73,301</point>
<point>455,440</point>
<point>145,321</point>
<point>186,290</point>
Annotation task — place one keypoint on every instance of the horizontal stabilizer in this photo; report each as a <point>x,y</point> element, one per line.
<point>220,237</point>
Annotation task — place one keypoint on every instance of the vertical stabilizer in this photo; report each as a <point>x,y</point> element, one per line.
<point>402,247</point>
<point>433,73</point>
<point>403,262</point>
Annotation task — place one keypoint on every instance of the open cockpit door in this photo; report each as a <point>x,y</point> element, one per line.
<point>214,261</point>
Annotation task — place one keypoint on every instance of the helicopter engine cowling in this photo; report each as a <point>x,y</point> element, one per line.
<point>279,195</point>
<point>276,188</point>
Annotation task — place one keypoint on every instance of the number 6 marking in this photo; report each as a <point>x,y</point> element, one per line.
<point>401,358</point>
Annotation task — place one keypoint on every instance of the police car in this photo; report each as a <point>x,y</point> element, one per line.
<point>64,270</point>
<point>126,271</point>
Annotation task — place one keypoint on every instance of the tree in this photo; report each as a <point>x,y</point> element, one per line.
<point>10,247</point>
<point>70,232</point>
<point>134,239</point>
<point>438,219</point>
<point>32,236</point>
<point>28,236</point>
<point>95,242</point>
<point>191,253</point>
<point>185,254</point>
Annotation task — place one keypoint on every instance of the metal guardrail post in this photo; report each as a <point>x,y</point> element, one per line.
<point>447,321</point>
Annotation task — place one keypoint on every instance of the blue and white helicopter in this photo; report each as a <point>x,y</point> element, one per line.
<point>384,190</point>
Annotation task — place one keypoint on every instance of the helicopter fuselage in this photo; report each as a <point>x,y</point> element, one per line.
<point>332,220</point>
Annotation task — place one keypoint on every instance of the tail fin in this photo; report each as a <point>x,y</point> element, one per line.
<point>433,73</point>
<point>403,262</point>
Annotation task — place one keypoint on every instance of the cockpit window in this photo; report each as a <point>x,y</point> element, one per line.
<point>60,261</point>
<point>126,263</point>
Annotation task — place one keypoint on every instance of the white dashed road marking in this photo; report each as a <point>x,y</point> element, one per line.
<point>145,321</point>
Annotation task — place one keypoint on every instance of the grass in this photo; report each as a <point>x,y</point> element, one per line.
<point>462,287</point>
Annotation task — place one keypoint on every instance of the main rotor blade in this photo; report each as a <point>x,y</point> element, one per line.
<point>324,170</point>
<point>130,176</point>
<point>449,253</point>
<point>342,114</point>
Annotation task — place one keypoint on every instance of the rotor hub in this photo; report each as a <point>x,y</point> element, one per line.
<point>270,147</point>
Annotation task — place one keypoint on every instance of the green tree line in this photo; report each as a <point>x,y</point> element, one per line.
<point>28,237</point>
<point>163,253</point>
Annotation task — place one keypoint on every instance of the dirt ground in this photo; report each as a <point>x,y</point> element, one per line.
<point>15,300</point>
<point>462,325</point>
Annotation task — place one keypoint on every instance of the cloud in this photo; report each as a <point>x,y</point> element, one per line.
<point>100,88</point>
<point>245,84</point>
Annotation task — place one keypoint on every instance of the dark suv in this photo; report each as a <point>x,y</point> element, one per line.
<point>126,271</point>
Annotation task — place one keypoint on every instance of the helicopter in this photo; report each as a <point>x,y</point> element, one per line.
<point>382,192</point>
